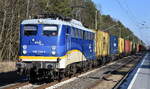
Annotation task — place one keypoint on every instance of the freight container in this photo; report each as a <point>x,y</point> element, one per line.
<point>141,48</point>
<point>133,47</point>
<point>113,45</point>
<point>102,43</point>
<point>121,45</point>
<point>127,46</point>
<point>137,47</point>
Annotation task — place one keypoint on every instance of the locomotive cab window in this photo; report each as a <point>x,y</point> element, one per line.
<point>30,30</point>
<point>50,30</point>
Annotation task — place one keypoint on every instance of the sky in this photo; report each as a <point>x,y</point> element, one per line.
<point>134,14</point>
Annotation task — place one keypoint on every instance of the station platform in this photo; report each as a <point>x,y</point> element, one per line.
<point>139,78</point>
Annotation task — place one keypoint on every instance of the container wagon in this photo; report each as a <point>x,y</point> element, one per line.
<point>113,47</point>
<point>127,47</point>
<point>102,46</point>
<point>121,47</point>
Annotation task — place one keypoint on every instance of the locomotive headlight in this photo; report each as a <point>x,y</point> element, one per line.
<point>33,39</point>
<point>53,47</point>
<point>24,46</point>
<point>53,52</point>
<point>24,52</point>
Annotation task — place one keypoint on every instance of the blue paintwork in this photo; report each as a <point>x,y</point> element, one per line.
<point>113,44</point>
<point>62,41</point>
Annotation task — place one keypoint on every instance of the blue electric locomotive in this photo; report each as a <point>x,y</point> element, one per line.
<point>52,45</point>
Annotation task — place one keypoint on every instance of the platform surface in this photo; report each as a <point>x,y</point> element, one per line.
<point>141,79</point>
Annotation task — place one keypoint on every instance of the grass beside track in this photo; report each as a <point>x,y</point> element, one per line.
<point>7,66</point>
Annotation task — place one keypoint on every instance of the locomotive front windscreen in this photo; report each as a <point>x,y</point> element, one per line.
<point>30,30</point>
<point>50,30</point>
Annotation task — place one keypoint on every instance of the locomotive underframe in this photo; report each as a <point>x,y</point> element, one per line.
<point>39,70</point>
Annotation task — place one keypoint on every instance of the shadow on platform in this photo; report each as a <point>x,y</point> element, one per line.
<point>145,66</point>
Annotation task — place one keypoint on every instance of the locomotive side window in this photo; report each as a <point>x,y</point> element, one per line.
<point>68,30</point>
<point>93,36</point>
<point>81,34</point>
<point>72,32</point>
<point>89,35</point>
<point>76,32</point>
<point>30,30</point>
<point>50,30</point>
<point>85,36</point>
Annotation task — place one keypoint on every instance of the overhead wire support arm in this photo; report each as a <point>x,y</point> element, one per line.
<point>110,27</point>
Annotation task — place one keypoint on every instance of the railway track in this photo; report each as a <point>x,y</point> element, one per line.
<point>113,79</point>
<point>17,85</point>
<point>93,79</point>
<point>117,86</point>
<point>84,80</point>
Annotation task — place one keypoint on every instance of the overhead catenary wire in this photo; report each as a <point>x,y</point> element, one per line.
<point>142,24</point>
<point>127,13</point>
<point>132,17</point>
<point>135,18</point>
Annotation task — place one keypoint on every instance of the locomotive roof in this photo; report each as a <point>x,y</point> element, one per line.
<point>73,23</point>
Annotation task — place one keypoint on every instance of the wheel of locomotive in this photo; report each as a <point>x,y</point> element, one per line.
<point>56,75</point>
<point>80,67</point>
<point>74,69</point>
<point>90,65</point>
<point>61,74</point>
<point>70,70</point>
<point>40,75</point>
<point>28,74</point>
<point>51,75</point>
<point>48,76</point>
<point>33,76</point>
<point>85,68</point>
<point>67,71</point>
<point>20,72</point>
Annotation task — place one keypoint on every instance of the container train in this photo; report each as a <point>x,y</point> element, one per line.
<point>54,47</point>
